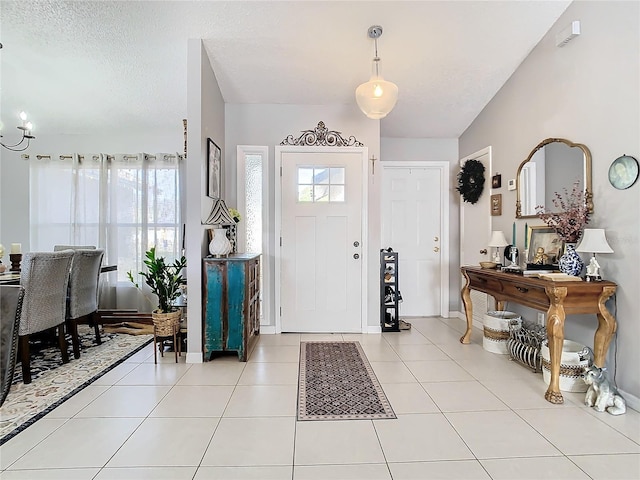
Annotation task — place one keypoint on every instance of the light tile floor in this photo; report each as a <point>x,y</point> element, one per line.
<point>463,413</point>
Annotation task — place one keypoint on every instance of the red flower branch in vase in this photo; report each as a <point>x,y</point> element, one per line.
<point>571,216</point>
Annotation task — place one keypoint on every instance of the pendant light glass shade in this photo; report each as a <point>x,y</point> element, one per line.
<point>377,97</point>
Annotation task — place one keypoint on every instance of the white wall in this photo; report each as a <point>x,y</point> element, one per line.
<point>587,92</point>
<point>434,150</point>
<point>268,125</point>
<point>205,118</point>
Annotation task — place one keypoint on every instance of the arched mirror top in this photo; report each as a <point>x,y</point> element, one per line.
<point>553,165</point>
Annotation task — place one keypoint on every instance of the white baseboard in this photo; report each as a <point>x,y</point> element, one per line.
<point>462,316</point>
<point>267,329</point>
<point>194,357</point>
<point>373,329</point>
<point>632,401</point>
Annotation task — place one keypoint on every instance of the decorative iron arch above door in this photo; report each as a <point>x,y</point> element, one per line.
<point>322,136</point>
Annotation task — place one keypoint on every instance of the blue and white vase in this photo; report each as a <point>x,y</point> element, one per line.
<point>570,262</point>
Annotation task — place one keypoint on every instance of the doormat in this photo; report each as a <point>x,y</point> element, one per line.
<point>336,382</point>
<point>53,382</point>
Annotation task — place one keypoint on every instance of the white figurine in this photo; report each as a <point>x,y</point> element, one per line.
<point>601,394</point>
<point>593,269</point>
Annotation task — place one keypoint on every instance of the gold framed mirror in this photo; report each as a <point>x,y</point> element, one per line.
<point>553,165</point>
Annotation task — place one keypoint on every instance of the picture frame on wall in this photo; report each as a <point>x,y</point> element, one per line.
<point>214,169</point>
<point>496,204</point>
<point>496,181</point>
<point>546,238</point>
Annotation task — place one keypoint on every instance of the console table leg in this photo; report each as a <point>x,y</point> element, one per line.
<point>607,326</point>
<point>555,336</point>
<point>468,309</point>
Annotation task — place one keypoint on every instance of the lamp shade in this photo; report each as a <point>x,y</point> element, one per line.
<point>497,239</point>
<point>594,241</point>
<point>377,97</point>
<point>219,214</point>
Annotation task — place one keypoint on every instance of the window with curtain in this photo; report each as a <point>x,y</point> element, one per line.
<point>125,204</point>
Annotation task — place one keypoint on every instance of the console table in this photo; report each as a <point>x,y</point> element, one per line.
<point>556,298</point>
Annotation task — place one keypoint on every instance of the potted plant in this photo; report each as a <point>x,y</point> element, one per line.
<point>165,281</point>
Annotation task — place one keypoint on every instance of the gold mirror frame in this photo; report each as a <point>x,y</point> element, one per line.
<point>588,191</point>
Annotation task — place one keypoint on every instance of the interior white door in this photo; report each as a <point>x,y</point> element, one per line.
<point>475,232</point>
<point>321,252</point>
<point>475,219</point>
<point>412,219</point>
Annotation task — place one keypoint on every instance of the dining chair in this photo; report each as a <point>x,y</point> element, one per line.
<point>10,309</point>
<point>59,248</point>
<point>45,277</point>
<point>83,293</point>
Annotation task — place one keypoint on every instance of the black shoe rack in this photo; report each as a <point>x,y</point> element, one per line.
<point>389,293</point>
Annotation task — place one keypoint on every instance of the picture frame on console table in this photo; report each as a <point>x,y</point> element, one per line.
<point>547,238</point>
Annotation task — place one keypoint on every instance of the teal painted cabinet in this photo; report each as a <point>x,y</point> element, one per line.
<point>231,313</point>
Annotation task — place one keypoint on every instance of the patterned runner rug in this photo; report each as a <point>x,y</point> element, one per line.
<point>336,382</point>
<point>52,382</point>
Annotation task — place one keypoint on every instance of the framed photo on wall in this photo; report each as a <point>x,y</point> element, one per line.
<point>496,204</point>
<point>214,169</point>
<point>546,238</point>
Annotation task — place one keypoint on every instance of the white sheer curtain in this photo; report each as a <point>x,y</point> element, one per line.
<point>124,203</point>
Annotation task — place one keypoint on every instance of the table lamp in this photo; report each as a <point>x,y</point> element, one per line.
<point>219,217</point>
<point>497,240</point>
<point>593,241</point>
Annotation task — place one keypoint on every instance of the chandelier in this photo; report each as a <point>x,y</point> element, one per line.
<point>26,128</point>
<point>377,97</point>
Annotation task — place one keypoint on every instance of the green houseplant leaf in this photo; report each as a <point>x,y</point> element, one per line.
<point>163,279</point>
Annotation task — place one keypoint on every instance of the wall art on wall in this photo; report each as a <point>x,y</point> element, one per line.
<point>214,169</point>
<point>496,204</point>
<point>496,181</point>
<point>545,238</point>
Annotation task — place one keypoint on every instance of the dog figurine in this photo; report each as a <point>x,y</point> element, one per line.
<point>601,394</point>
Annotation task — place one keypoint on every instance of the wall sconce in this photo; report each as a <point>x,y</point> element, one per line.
<point>26,128</point>
<point>377,97</point>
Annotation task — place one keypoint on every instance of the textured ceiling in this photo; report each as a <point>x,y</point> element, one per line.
<point>83,66</point>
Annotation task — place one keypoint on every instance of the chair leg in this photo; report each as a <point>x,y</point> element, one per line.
<point>75,341</point>
<point>94,318</point>
<point>175,345</point>
<point>24,358</point>
<point>62,343</point>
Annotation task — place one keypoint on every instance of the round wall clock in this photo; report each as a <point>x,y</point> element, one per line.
<point>623,172</point>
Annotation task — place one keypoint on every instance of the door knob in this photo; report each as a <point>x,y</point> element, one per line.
<point>356,256</point>
<point>436,249</point>
<point>483,251</point>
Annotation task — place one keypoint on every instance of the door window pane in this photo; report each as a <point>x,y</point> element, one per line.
<point>321,184</point>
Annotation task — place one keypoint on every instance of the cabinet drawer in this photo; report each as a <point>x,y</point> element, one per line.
<point>532,296</point>
<point>483,283</point>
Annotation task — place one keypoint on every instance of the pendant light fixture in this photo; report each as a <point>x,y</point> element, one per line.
<point>377,97</point>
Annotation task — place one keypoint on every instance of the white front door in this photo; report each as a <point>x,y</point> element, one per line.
<point>414,217</point>
<point>321,253</point>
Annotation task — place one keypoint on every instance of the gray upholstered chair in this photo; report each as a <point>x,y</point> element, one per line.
<point>10,309</point>
<point>45,277</point>
<point>83,293</point>
<point>59,248</point>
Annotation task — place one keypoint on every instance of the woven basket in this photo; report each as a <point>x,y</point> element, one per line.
<point>575,359</point>
<point>166,324</point>
<point>496,331</point>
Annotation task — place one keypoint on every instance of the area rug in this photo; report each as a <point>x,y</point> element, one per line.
<point>336,382</point>
<point>53,383</point>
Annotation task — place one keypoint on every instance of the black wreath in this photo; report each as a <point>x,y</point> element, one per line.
<point>471,181</point>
